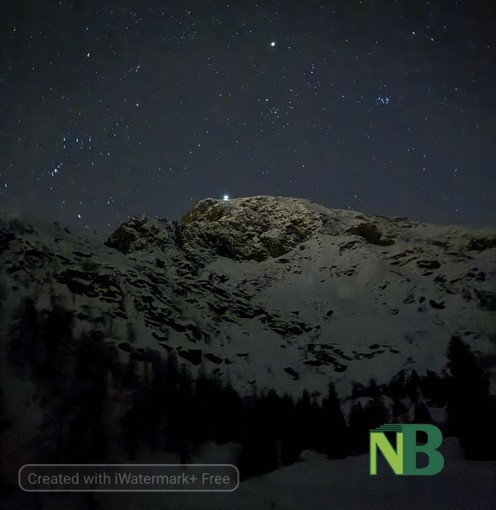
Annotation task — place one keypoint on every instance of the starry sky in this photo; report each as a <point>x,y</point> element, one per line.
<point>116,108</point>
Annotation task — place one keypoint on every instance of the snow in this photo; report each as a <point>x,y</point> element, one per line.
<point>365,305</point>
<point>319,484</point>
<point>344,290</point>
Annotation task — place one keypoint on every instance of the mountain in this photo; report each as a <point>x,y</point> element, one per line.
<point>266,325</point>
<point>271,292</point>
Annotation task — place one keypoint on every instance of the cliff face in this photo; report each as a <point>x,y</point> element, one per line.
<point>273,291</point>
<point>253,228</point>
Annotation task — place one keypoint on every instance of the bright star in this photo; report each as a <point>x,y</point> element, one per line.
<point>225,198</point>
<point>273,43</point>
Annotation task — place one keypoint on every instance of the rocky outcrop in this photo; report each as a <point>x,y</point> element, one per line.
<point>253,228</point>
<point>482,243</point>
<point>140,234</point>
<point>371,234</point>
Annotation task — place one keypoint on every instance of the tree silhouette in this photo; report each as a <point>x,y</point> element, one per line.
<point>471,412</point>
<point>290,431</point>
<point>333,436</point>
<point>422,414</point>
<point>358,429</point>
<point>260,447</point>
<point>307,417</point>
<point>412,386</point>
<point>434,388</point>
<point>87,435</point>
<point>25,347</point>
<point>180,426</point>
<point>397,387</point>
<point>156,401</point>
<point>56,336</point>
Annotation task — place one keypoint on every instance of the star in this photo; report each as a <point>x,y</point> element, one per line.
<point>258,115</point>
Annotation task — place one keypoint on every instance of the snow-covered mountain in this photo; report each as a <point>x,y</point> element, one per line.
<point>266,292</point>
<point>351,315</point>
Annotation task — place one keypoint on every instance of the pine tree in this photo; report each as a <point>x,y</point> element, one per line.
<point>25,348</point>
<point>376,413</point>
<point>260,446</point>
<point>412,386</point>
<point>308,415</point>
<point>397,387</point>
<point>471,412</point>
<point>88,437</point>
<point>434,388</point>
<point>333,433</point>
<point>56,336</point>
<point>422,414</point>
<point>180,428</point>
<point>290,432</point>
<point>358,429</point>
<point>156,397</point>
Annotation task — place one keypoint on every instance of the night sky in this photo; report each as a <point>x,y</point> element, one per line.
<point>110,109</point>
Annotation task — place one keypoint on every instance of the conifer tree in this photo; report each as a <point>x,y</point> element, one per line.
<point>333,432</point>
<point>471,412</point>
<point>358,430</point>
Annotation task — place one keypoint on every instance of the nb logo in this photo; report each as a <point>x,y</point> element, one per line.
<point>403,459</point>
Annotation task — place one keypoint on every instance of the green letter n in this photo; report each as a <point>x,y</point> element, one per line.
<point>379,440</point>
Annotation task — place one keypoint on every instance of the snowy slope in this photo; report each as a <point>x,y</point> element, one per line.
<point>269,292</point>
<point>314,483</point>
<point>318,483</point>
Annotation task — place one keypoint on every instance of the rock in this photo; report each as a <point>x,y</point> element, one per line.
<point>213,358</point>
<point>371,234</point>
<point>313,363</point>
<point>253,228</point>
<point>438,306</point>
<point>486,299</point>
<point>481,243</point>
<point>428,264</point>
<point>5,240</point>
<point>194,356</point>
<point>141,234</point>
<point>292,373</point>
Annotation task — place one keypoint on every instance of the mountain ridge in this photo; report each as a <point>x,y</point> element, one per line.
<point>273,291</point>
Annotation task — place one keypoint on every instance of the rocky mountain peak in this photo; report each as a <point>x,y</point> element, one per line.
<point>251,228</point>
<point>265,227</point>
